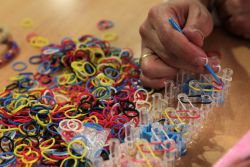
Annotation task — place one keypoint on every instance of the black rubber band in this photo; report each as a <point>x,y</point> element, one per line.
<point>35,59</point>
<point>11,144</point>
<point>125,110</point>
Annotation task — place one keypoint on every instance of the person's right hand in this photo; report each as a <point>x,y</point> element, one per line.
<point>167,49</point>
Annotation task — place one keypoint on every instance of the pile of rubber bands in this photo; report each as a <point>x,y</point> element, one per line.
<point>85,106</point>
<point>87,80</point>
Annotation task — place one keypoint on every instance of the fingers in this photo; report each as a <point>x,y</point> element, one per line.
<point>153,67</point>
<point>183,49</point>
<point>234,15</point>
<point>154,70</point>
<point>239,25</point>
<point>178,45</point>
<point>195,36</point>
<point>152,83</point>
<point>199,19</point>
<point>151,41</point>
<point>214,57</point>
<point>169,49</point>
<point>199,24</point>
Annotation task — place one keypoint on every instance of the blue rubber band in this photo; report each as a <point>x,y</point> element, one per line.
<point>9,161</point>
<point>111,70</point>
<point>44,67</point>
<point>119,135</point>
<point>93,125</point>
<point>99,151</point>
<point>35,59</point>
<point>19,66</point>
<point>211,71</point>
<point>113,129</point>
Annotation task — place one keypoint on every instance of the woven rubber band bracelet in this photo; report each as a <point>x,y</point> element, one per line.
<point>12,47</point>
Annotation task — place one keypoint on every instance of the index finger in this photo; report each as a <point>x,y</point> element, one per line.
<point>178,44</point>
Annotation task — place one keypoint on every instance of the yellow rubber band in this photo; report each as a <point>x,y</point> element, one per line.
<point>75,116</point>
<point>41,122</point>
<point>110,36</point>
<point>51,141</point>
<point>79,142</point>
<point>9,129</point>
<point>47,158</point>
<point>20,146</point>
<point>205,90</point>
<point>27,23</point>
<point>91,118</point>
<point>137,144</point>
<point>104,80</point>
<point>93,54</point>
<point>170,109</point>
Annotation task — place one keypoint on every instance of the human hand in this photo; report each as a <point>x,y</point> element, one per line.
<point>235,16</point>
<point>168,50</point>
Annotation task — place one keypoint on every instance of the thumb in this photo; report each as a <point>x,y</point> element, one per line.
<point>199,24</point>
<point>194,35</point>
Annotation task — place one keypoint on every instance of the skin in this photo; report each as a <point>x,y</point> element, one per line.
<point>241,163</point>
<point>235,14</point>
<point>169,50</point>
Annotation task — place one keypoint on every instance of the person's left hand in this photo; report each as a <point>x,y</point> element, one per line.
<point>235,16</point>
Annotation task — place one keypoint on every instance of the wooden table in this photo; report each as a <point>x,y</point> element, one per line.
<point>55,19</point>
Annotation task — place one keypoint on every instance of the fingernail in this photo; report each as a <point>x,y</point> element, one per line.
<point>198,37</point>
<point>216,68</point>
<point>215,60</point>
<point>199,33</point>
<point>200,61</point>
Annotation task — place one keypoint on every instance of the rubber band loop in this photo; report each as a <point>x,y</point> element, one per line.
<point>19,66</point>
<point>82,144</point>
<point>35,59</point>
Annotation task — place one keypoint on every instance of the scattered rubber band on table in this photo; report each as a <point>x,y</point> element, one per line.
<point>27,23</point>
<point>19,66</point>
<point>30,36</point>
<point>104,24</point>
<point>38,41</point>
<point>110,36</point>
